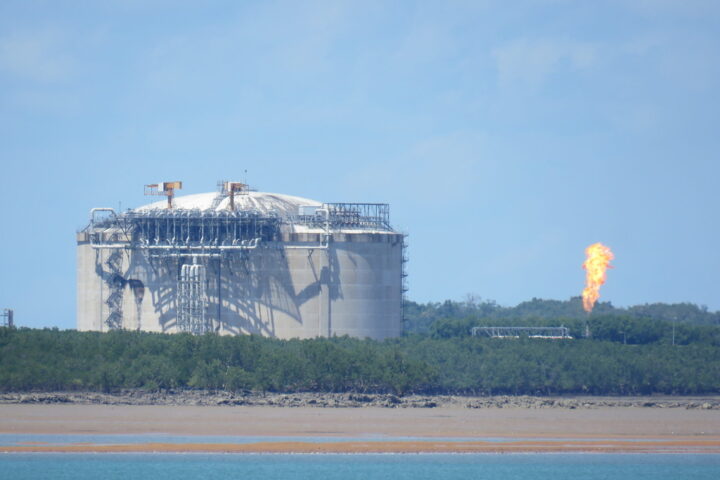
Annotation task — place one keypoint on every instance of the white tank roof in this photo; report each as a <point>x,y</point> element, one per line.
<point>252,201</point>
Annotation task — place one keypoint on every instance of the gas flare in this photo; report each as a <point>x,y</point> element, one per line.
<point>598,261</point>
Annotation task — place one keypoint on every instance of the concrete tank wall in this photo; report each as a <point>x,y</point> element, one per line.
<point>287,289</point>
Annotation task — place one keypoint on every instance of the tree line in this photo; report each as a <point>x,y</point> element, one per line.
<point>419,317</point>
<point>624,356</point>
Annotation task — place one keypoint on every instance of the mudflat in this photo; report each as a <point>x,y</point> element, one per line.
<point>441,429</point>
<point>616,422</point>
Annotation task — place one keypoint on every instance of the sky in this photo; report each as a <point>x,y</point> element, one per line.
<point>506,136</point>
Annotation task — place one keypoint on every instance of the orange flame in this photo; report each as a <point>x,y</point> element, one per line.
<point>598,261</point>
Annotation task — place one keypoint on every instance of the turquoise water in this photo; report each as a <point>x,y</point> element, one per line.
<point>348,467</point>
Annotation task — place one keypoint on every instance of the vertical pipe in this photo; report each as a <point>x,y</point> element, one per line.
<point>328,290</point>
<point>102,293</point>
<point>219,293</point>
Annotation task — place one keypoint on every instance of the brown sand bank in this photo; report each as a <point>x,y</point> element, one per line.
<point>678,426</point>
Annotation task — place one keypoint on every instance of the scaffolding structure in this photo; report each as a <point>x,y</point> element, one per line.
<point>194,229</point>
<point>6,318</point>
<point>516,332</point>
<point>116,284</point>
<point>370,216</point>
<point>191,230</point>
<point>192,300</point>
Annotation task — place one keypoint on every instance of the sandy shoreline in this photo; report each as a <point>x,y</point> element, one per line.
<point>400,430</point>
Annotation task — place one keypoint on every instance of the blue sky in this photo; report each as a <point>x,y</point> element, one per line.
<point>507,136</point>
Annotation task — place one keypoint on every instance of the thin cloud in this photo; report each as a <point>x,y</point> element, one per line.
<point>531,62</point>
<point>436,172</point>
<point>36,56</point>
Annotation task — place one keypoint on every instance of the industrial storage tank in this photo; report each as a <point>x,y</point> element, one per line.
<point>242,262</point>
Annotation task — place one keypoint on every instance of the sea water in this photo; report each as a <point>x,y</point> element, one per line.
<point>152,466</point>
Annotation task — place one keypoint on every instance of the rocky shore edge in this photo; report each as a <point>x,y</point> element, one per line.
<point>350,400</point>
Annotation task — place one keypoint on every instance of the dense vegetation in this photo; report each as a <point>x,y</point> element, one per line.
<point>630,352</point>
<point>419,318</point>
